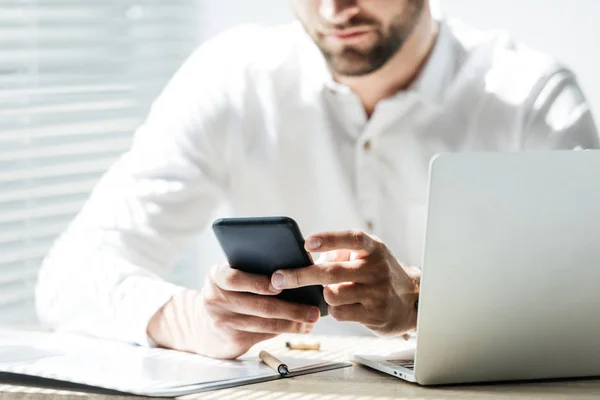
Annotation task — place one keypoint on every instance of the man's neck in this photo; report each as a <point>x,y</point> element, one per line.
<point>400,71</point>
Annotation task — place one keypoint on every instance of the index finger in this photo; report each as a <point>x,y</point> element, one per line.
<point>323,274</point>
<point>355,240</point>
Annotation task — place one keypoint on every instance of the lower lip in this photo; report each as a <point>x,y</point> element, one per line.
<point>352,38</point>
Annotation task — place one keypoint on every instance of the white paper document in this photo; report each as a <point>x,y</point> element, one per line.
<point>132,369</point>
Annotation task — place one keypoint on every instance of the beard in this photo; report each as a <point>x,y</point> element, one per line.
<point>355,61</point>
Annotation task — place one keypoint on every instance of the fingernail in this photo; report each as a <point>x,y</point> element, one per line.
<point>309,328</point>
<point>313,243</point>
<point>314,315</point>
<point>278,280</point>
<point>273,289</point>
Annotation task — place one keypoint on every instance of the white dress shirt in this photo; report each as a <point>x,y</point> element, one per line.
<point>253,119</point>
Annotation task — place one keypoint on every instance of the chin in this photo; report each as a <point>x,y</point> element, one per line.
<point>353,71</point>
<point>352,66</point>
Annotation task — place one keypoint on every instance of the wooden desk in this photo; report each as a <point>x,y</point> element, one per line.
<point>352,383</point>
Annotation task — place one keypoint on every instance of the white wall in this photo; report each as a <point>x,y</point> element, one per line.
<point>566,29</point>
<point>221,14</point>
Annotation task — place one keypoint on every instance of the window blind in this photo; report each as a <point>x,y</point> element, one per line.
<point>77,78</point>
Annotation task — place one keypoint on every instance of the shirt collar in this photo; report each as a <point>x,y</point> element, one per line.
<point>431,83</point>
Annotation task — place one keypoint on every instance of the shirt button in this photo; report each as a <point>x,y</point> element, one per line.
<point>367,145</point>
<point>370,225</point>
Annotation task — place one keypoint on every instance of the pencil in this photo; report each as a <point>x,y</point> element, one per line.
<point>274,363</point>
<point>303,346</point>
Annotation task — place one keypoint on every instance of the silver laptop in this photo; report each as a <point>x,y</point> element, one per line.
<point>511,271</point>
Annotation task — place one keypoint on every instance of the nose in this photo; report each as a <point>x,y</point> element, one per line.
<point>336,12</point>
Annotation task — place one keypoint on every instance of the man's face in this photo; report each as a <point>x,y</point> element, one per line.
<point>358,37</point>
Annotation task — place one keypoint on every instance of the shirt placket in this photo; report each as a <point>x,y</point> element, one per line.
<point>370,177</point>
<point>367,179</point>
<point>365,185</point>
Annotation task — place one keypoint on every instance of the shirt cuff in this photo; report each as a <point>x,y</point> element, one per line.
<point>136,302</point>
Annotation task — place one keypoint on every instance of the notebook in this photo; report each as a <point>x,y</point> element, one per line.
<point>132,369</point>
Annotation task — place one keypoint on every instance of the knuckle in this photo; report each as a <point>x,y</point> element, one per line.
<point>297,313</point>
<point>377,240</point>
<point>280,325</point>
<point>329,296</point>
<point>249,324</point>
<point>381,249</point>
<point>214,273</point>
<point>220,324</point>
<point>294,277</point>
<point>378,245</point>
<point>377,325</point>
<point>269,325</point>
<point>266,307</point>
<point>231,279</point>
<point>334,272</point>
<point>359,238</point>
<point>274,325</point>
<point>259,285</point>
<point>297,327</point>
<point>370,302</point>
<point>337,313</point>
<point>364,268</point>
<point>382,246</point>
<point>383,324</point>
<point>378,270</point>
<point>211,303</point>
<point>211,300</point>
<point>380,317</point>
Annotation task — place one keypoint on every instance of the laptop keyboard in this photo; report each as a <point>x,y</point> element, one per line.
<point>408,364</point>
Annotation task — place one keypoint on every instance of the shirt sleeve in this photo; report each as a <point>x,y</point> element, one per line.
<point>104,275</point>
<point>560,117</point>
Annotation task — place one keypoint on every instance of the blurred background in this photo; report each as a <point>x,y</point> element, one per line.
<point>78,76</point>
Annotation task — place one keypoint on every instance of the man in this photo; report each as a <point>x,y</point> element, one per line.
<point>333,125</point>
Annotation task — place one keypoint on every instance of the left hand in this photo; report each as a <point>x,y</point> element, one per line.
<point>363,281</point>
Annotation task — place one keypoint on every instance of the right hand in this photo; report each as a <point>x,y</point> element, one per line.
<point>233,311</point>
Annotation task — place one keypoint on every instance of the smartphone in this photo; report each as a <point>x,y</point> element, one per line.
<point>267,244</point>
